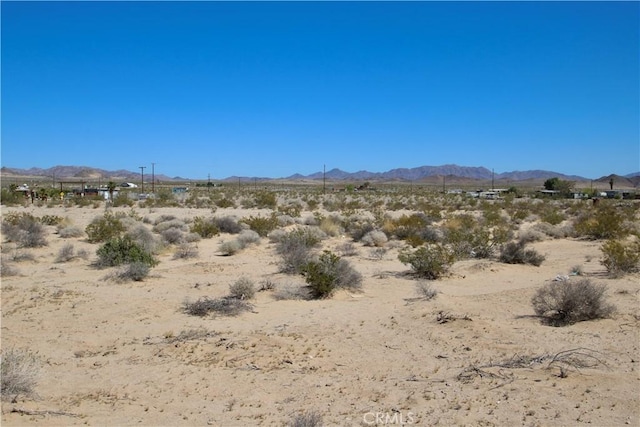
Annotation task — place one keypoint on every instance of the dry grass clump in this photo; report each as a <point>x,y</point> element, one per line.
<point>68,253</point>
<point>291,291</point>
<point>185,251</point>
<point>225,306</point>
<point>566,302</point>
<point>426,290</point>
<point>70,231</point>
<point>307,419</point>
<point>134,271</point>
<point>25,230</point>
<point>20,369</point>
<point>242,289</point>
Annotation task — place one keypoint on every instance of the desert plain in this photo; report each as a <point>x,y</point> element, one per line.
<point>124,353</point>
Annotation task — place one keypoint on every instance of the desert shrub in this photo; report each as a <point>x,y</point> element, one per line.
<point>123,250</point>
<point>7,269</point>
<point>70,231</point>
<point>289,292</point>
<point>192,237</point>
<point>104,228</point>
<point>225,306</point>
<point>11,198</point>
<point>307,419</point>
<point>19,372</point>
<point>164,218</point>
<point>429,262</point>
<point>206,228</point>
<point>374,238</point>
<point>603,222</point>
<point>347,249</point>
<point>145,238</point>
<point>228,224</point>
<point>531,236</point>
<point>552,231</point>
<point>230,247</point>
<point>469,239</point>
<point>552,216</point>
<point>25,230</point>
<point>292,209</point>
<point>357,228</point>
<point>50,220</point>
<point>265,200</point>
<point>248,237</point>
<point>329,272</point>
<point>332,226</point>
<point>135,271</point>
<point>295,249</point>
<point>225,203</point>
<point>285,220</point>
<point>242,288</point>
<point>266,285</point>
<point>620,258</point>
<point>516,253</point>
<point>408,228</point>
<point>185,251</point>
<point>426,290</point>
<point>261,225</point>
<point>172,236</point>
<point>168,224</point>
<point>66,253</point>
<point>565,302</point>
<point>377,253</point>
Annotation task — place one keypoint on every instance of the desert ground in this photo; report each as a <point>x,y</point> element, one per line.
<point>116,353</point>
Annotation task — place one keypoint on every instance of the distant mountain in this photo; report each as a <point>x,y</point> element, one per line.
<point>423,172</point>
<point>417,174</point>
<point>83,172</point>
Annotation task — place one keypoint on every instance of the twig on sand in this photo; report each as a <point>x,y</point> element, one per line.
<point>43,413</point>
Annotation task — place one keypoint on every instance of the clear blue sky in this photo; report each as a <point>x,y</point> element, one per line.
<point>273,89</point>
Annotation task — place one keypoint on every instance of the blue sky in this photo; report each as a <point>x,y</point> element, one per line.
<point>272,89</point>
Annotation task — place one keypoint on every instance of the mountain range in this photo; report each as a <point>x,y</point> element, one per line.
<point>400,174</point>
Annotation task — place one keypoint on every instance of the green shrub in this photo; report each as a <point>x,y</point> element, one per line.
<point>429,262</point>
<point>265,200</point>
<point>123,250</point>
<point>104,228</point>
<point>603,222</point>
<point>206,228</point>
<point>8,197</point>
<point>328,273</point>
<point>621,258</point>
<point>261,225</point>
<point>564,302</point>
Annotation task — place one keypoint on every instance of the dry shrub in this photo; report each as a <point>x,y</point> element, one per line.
<point>553,231</point>
<point>19,372</point>
<point>172,236</point>
<point>70,231</point>
<point>429,262</point>
<point>328,273</point>
<point>25,230</point>
<point>566,302</point>
<point>135,271</point>
<point>248,237</point>
<point>375,238</point>
<point>516,253</point>
<point>332,226</point>
<point>242,289</point>
<point>185,251</point>
<point>230,247</point>
<point>66,253</point>
<point>291,292</point>
<point>228,224</point>
<point>307,419</point>
<point>426,290</point>
<point>7,269</point>
<point>226,306</point>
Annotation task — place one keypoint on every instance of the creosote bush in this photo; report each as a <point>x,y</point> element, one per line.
<point>225,306</point>
<point>429,262</point>
<point>123,250</point>
<point>328,273</point>
<point>620,258</point>
<point>603,222</point>
<point>206,228</point>
<point>565,302</point>
<point>295,248</point>
<point>104,228</point>
<point>19,372</point>
<point>261,225</point>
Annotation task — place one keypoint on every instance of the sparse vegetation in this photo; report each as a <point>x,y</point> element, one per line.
<point>242,289</point>
<point>25,230</point>
<point>104,228</point>
<point>123,250</point>
<point>620,258</point>
<point>565,302</point>
<point>328,273</point>
<point>20,369</point>
<point>517,253</point>
<point>428,262</point>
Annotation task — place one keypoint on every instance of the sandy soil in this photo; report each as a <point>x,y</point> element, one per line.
<point>113,354</point>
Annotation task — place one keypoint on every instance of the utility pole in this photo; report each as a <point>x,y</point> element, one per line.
<point>493,187</point>
<point>142,176</point>
<point>208,183</point>
<point>324,179</point>
<point>153,178</point>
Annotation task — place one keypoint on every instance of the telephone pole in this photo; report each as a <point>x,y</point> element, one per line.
<point>142,176</point>
<point>324,179</point>
<point>153,178</point>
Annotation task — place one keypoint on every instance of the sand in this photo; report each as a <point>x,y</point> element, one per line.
<point>115,354</point>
